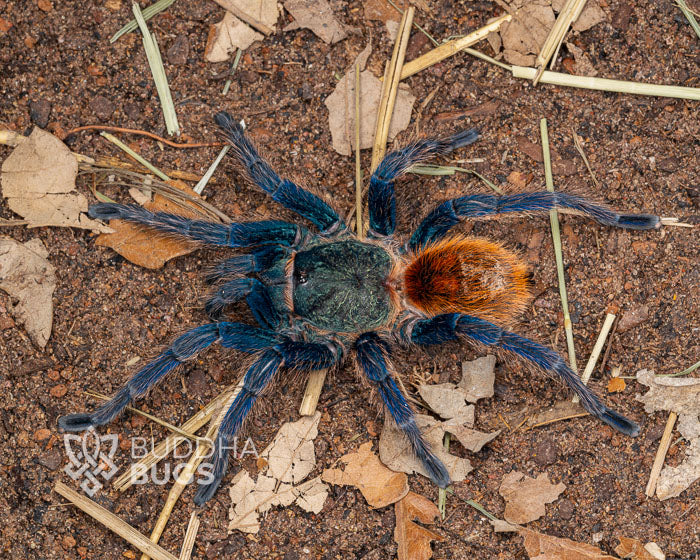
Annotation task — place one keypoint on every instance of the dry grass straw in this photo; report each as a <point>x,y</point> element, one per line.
<point>313,392</point>
<point>689,15</point>
<point>570,13</point>
<point>451,48</point>
<point>143,161</point>
<point>661,455</point>
<point>390,87</point>
<point>199,187</point>
<point>597,349</point>
<point>190,537</point>
<point>148,13</point>
<point>114,523</point>
<point>556,236</point>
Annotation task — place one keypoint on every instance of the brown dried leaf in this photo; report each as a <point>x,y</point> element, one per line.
<point>396,453</point>
<point>682,396</point>
<point>448,401</point>
<point>413,540</point>
<point>477,378</point>
<point>341,109</point>
<point>290,457</point>
<point>363,469</point>
<point>38,179</point>
<point>381,10</point>
<point>264,11</point>
<point>591,15</point>
<point>634,549</point>
<point>141,246</point>
<point>616,385</point>
<point>544,547</point>
<point>30,280</point>
<point>525,34</point>
<point>473,440</point>
<point>584,66</point>
<point>227,36</point>
<point>525,497</point>
<point>317,16</point>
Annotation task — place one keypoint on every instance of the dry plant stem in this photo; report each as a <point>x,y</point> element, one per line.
<point>113,523</point>
<point>605,84</point>
<point>451,48</point>
<point>539,425</point>
<point>229,6</point>
<point>190,537</point>
<point>144,133</point>
<point>597,349</point>
<point>570,12</point>
<point>579,148</point>
<point>390,88</point>
<point>312,393</point>
<point>358,168</point>
<point>661,455</point>
<point>556,236</point>
<point>147,164</point>
<point>171,442</point>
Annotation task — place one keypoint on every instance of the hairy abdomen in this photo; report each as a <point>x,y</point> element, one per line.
<point>468,275</point>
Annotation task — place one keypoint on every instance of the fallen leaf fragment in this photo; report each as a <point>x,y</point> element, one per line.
<point>525,497</point>
<point>543,547</point>
<point>341,109</point>
<point>30,281</point>
<point>616,385</point>
<point>477,378</point>
<point>289,457</point>
<point>635,550</point>
<point>473,440</point>
<point>140,245</point>
<point>38,180</point>
<point>363,469</point>
<point>263,11</point>
<point>448,401</point>
<point>584,66</point>
<point>412,539</point>
<point>397,454</point>
<point>525,34</point>
<point>227,36</point>
<point>682,396</point>
<point>317,16</point>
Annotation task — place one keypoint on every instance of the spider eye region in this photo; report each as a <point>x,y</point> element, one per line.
<point>341,286</point>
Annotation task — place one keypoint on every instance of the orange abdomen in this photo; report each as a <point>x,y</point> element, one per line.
<point>468,275</point>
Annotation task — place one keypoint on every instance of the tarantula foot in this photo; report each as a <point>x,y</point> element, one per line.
<point>206,491</point>
<point>619,422</point>
<point>75,422</point>
<point>105,211</point>
<point>639,221</point>
<point>436,471</point>
<point>228,123</point>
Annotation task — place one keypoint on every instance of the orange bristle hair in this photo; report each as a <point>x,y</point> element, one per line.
<point>468,275</point>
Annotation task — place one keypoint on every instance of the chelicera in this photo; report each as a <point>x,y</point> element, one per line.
<point>319,297</point>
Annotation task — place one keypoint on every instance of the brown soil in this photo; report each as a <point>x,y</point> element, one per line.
<point>58,67</point>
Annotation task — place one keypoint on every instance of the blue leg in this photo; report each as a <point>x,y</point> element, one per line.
<point>451,212</point>
<point>244,234</point>
<point>285,192</point>
<point>382,203</point>
<point>259,260</point>
<point>372,356</point>
<point>291,354</point>
<point>256,295</point>
<point>450,326</point>
<point>231,335</point>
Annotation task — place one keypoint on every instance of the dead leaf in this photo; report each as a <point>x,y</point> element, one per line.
<point>559,166</point>
<point>38,180</point>
<point>317,16</point>
<point>584,66</point>
<point>227,36</point>
<point>30,280</point>
<point>525,34</point>
<point>616,385</point>
<point>289,457</point>
<point>381,10</point>
<point>397,454</point>
<point>525,497</point>
<point>544,547</point>
<point>447,400</point>
<point>264,11</point>
<point>363,469</point>
<point>682,396</point>
<point>473,440</point>
<point>140,245</point>
<point>591,15</point>
<point>477,378</point>
<point>412,539</point>
<point>501,526</point>
<point>636,550</point>
<point>341,109</point>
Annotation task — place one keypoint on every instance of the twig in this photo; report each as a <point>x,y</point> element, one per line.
<point>144,133</point>
<point>148,13</point>
<point>553,420</point>
<point>579,148</point>
<point>390,88</point>
<point>688,13</point>
<point>236,60</point>
<point>143,161</point>
<point>190,537</point>
<point>358,167</point>
<point>661,455</point>
<point>114,523</point>
<point>686,371</point>
<point>554,220</point>
<point>199,187</point>
<point>597,349</point>
<point>451,48</point>
<point>312,393</point>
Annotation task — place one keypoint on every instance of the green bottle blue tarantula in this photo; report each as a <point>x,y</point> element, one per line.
<point>318,296</point>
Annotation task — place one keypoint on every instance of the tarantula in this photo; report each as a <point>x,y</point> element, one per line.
<point>318,296</point>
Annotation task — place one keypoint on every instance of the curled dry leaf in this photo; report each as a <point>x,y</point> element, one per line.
<point>525,497</point>
<point>141,246</point>
<point>396,453</point>
<point>341,108</point>
<point>682,396</point>
<point>412,539</point>
<point>227,36</point>
<point>544,547</point>
<point>317,16</point>
<point>635,550</point>
<point>363,469</point>
<point>38,180</point>
<point>30,280</point>
<point>287,461</point>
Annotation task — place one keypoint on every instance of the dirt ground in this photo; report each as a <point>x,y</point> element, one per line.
<point>58,69</point>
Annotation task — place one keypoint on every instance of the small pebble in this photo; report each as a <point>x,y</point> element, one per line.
<point>42,434</point>
<point>633,317</point>
<point>58,391</point>
<point>179,50</point>
<point>102,107</point>
<point>51,459</point>
<point>565,509</point>
<point>39,112</point>
<point>546,452</point>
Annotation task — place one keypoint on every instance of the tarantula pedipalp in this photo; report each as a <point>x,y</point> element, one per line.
<point>317,296</point>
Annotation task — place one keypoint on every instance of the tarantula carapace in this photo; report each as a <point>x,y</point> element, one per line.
<point>318,296</point>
